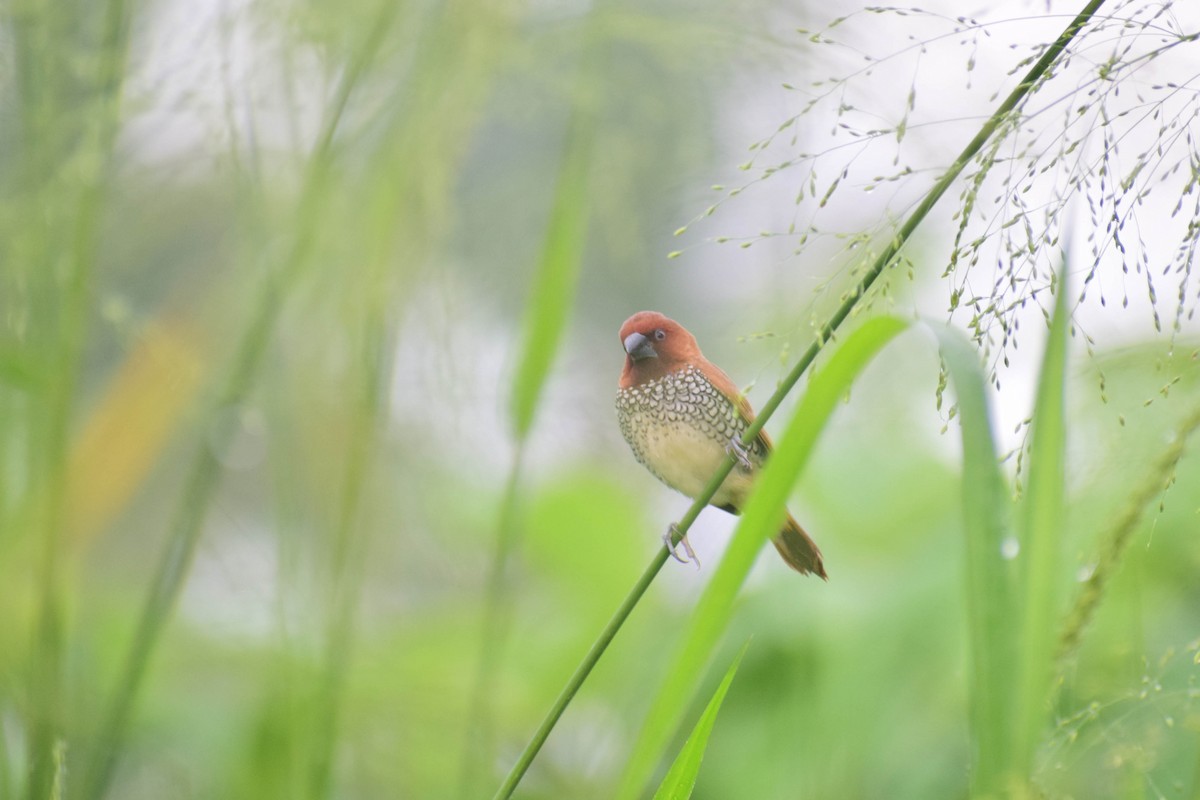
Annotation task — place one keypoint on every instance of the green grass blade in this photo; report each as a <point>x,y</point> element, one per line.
<point>681,777</point>
<point>553,293</point>
<point>763,516</point>
<point>1041,541</point>
<point>991,606</point>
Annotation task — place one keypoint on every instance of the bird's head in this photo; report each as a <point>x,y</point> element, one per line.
<point>655,346</point>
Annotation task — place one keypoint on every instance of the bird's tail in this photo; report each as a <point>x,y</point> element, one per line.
<point>799,550</point>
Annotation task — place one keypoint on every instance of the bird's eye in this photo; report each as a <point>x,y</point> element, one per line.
<point>660,334</point>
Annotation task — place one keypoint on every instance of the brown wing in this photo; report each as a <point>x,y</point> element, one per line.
<point>794,544</point>
<point>728,388</point>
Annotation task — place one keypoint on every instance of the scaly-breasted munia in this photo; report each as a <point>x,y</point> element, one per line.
<point>682,416</point>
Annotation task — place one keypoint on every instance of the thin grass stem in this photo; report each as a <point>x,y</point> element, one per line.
<point>1116,542</point>
<point>349,546</point>
<point>580,675</point>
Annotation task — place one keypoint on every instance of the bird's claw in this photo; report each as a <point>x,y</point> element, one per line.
<point>674,537</point>
<point>739,452</point>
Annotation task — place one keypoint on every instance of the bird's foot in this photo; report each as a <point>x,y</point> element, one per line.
<point>739,452</point>
<point>672,539</point>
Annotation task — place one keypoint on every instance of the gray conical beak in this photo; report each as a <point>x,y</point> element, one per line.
<point>639,347</point>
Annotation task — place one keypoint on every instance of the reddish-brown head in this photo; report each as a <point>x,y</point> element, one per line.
<point>655,346</point>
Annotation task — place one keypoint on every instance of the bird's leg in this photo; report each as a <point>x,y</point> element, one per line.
<point>739,452</point>
<point>673,536</point>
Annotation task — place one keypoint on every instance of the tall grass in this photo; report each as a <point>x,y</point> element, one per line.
<point>51,263</point>
<point>1012,596</point>
<point>191,513</point>
<point>374,572</point>
<point>69,66</point>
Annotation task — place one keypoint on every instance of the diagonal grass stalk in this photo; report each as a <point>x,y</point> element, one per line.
<point>1037,73</point>
<point>1117,538</point>
<point>580,675</point>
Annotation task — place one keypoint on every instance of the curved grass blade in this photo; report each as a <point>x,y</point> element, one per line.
<point>763,516</point>
<point>556,278</point>
<point>1041,541</point>
<point>681,777</point>
<point>990,578</point>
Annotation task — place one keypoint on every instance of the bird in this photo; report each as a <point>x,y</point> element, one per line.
<point>682,417</point>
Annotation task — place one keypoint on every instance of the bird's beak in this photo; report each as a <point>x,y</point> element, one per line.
<point>639,347</point>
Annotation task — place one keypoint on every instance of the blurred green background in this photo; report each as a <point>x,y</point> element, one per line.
<point>286,289</point>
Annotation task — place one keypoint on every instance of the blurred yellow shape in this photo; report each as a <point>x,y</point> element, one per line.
<point>130,425</point>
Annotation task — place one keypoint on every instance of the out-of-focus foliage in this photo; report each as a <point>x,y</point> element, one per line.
<point>264,269</point>
<point>680,781</point>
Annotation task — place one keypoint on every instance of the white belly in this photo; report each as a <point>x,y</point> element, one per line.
<point>685,459</point>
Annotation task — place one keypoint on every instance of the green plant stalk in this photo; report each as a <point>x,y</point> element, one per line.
<point>201,481</point>
<point>80,215</point>
<point>1116,542</point>
<point>46,680</point>
<point>48,716</point>
<point>1035,74</point>
<point>557,277</point>
<point>580,675</point>
<point>989,577</point>
<point>350,542</point>
<point>1041,545</point>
